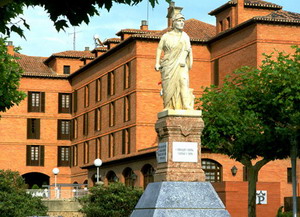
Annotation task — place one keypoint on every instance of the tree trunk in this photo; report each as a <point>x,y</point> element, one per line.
<point>252,179</point>
<point>294,176</point>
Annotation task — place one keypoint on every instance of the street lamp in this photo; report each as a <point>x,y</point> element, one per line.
<point>55,172</point>
<point>98,163</point>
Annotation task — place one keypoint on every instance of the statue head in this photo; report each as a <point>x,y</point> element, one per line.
<point>178,21</point>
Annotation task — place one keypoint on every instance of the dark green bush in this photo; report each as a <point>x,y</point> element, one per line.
<point>283,214</point>
<point>114,200</point>
<point>14,201</point>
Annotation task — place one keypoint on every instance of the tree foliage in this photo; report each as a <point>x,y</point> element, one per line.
<point>14,201</point>
<point>60,12</point>
<point>114,200</point>
<point>10,74</point>
<point>255,114</point>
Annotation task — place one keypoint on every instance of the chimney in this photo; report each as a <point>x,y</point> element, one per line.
<point>144,25</point>
<point>172,10</point>
<point>86,48</point>
<point>10,48</point>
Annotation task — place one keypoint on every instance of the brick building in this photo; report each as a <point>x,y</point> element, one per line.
<point>103,103</point>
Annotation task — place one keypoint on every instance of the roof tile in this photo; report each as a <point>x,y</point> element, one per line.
<point>33,64</point>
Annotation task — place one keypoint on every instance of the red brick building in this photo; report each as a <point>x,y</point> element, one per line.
<point>103,103</point>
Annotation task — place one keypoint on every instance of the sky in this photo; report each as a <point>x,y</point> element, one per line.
<point>42,39</point>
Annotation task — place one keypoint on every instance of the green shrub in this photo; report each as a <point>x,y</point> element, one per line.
<point>114,200</point>
<point>283,214</point>
<point>35,186</point>
<point>14,201</point>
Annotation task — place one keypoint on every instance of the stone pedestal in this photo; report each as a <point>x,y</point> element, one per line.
<point>179,133</point>
<point>179,189</point>
<point>180,199</point>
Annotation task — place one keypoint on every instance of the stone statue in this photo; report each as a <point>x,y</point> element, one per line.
<point>175,66</point>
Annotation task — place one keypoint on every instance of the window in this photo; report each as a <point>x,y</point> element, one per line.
<point>98,90</point>
<point>33,128</point>
<point>98,148</point>
<point>74,155</point>
<point>126,75</point>
<point>228,22</point>
<point>148,173</point>
<point>125,141</point>
<point>126,108</point>
<point>212,170</point>
<point>111,145</point>
<point>221,26</point>
<point>85,124</point>
<point>36,101</point>
<point>63,156</point>
<point>75,128</point>
<point>86,152</point>
<point>129,177</point>
<point>86,96</point>
<point>35,155</point>
<point>64,103</point>
<point>63,129</point>
<point>67,69</point>
<point>111,83</point>
<point>112,177</point>
<point>75,101</point>
<point>98,119</point>
<point>289,175</point>
<point>111,114</point>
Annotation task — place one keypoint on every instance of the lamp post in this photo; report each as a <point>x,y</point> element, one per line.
<point>55,172</point>
<point>98,163</point>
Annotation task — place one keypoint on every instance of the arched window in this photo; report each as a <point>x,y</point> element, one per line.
<point>129,177</point>
<point>212,170</point>
<point>148,172</point>
<point>111,177</point>
<point>85,183</point>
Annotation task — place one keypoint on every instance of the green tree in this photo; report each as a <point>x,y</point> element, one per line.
<point>114,200</point>
<point>14,201</point>
<point>254,117</point>
<point>10,74</point>
<point>60,12</point>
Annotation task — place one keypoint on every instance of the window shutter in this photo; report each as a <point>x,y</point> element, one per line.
<point>70,103</point>
<point>58,156</point>
<point>42,101</point>
<point>28,155</point>
<point>37,129</point>
<point>72,129</point>
<point>71,156</point>
<point>123,142</point>
<point>42,155</point>
<point>59,129</point>
<point>75,101</point>
<point>29,128</point>
<point>128,141</point>
<point>96,120</point>
<point>97,94</point>
<point>59,103</point>
<point>29,101</point>
<point>216,72</point>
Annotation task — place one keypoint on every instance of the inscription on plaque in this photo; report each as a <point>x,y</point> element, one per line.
<point>161,153</point>
<point>185,152</point>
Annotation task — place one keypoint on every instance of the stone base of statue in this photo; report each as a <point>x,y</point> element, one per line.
<point>180,199</point>
<point>179,188</point>
<point>179,148</point>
